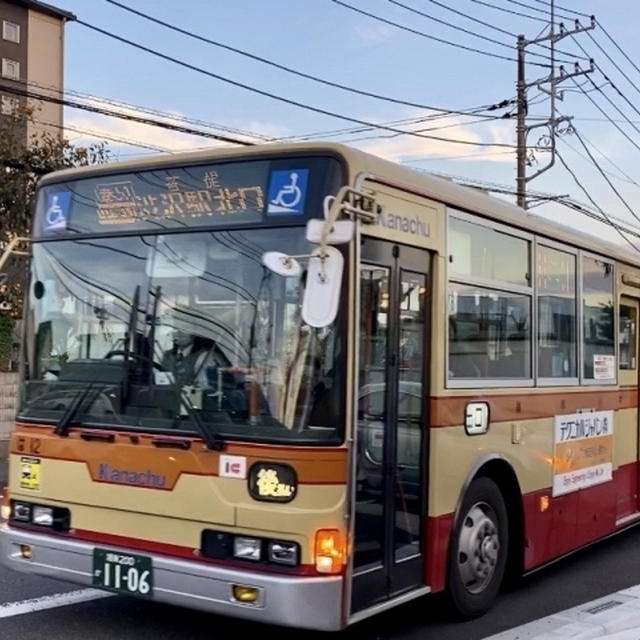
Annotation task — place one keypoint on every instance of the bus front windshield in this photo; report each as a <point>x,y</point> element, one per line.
<point>158,332</point>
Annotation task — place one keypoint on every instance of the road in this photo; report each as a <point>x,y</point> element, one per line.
<point>597,571</point>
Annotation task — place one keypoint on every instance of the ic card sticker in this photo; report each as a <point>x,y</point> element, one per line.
<point>30,473</point>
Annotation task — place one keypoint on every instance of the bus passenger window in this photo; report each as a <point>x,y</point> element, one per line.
<point>490,301</point>
<point>597,314</point>
<point>557,317</point>
<point>489,333</point>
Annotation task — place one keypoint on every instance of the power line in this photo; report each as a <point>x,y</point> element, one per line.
<point>430,37</point>
<point>528,6</point>
<point>438,128</point>
<point>458,28</point>
<point>578,13</point>
<point>277,65</point>
<point>123,116</point>
<point>278,97</point>
<point>617,46</point>
<point>604,175</point>
<point>149,110</point>
<point>627,78</point>
<point>492,26</point>
<point>627,178</point>
<point>105,136</point>
<point>407,121</point>
<point>460,157</point>
<point>546,197</point>
<point>511,11</point>
<point>615,88</point>
<point>606,115</point>
<point>613,104</point>
<point>593,202</point>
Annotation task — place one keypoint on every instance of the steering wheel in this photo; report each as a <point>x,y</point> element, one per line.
<point>123,353</point>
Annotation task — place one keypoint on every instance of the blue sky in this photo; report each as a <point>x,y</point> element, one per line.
<point>325,39</point>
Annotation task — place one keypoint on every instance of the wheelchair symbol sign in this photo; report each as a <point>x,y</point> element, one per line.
<point>56,212</point>
<point>287,192</point>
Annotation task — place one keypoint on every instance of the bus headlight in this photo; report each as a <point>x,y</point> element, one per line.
<point>247,548</point>
<point>21,511</point>
<point>283,552</point>
<point>42,516</point>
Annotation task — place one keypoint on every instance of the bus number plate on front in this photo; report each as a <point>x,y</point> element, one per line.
<point>123,573</point>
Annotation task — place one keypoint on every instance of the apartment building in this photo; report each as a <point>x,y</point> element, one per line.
<point>32,57</point>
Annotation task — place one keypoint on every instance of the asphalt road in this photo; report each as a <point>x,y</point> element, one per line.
<point>601,569</point>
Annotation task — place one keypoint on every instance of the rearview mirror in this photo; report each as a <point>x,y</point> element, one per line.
<point>281,263</point>
<point>341,231</point>
<point>322,292</point>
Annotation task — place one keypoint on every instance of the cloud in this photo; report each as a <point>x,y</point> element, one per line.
<point>410,149</point>
<point>369,35</point>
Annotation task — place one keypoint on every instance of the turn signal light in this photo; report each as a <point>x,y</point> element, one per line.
<point>329,551</point>
<point>26,552</point>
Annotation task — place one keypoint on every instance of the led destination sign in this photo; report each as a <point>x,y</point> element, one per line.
<point>242,192</point>
<point>119,202</point>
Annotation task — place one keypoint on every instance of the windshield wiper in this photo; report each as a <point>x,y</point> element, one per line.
<point>212,439</point>
<point>62,426</point>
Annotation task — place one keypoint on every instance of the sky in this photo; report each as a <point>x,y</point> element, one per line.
<point>332,41</point>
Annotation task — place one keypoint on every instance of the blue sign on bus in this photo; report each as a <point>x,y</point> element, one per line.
<point>56,212</point>
<point>287,192</point>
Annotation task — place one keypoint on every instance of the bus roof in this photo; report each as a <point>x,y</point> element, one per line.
<point>383,171</point>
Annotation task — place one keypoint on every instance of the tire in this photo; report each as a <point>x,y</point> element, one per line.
<point>479,549</point>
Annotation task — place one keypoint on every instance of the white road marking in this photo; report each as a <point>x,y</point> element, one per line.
<point>9,609</point>
<point>613,617</point>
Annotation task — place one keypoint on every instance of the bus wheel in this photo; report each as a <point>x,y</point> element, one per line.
<point>479,549</point>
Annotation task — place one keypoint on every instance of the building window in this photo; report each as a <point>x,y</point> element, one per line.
<point>10,31</point>
<point>597,320</point>
<point>10,69</point>
<point>557,316</point>
<point>8,105</point>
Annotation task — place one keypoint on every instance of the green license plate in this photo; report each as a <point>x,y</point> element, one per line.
<point>123,573</point>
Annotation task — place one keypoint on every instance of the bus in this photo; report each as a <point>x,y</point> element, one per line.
<point>300,385</point>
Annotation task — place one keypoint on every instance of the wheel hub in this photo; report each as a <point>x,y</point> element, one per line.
<point>478,548</point>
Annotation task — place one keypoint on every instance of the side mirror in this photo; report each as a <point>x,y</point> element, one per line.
<point>341,231</point>
<point>3,278</point>
<point>322,292</point>
<point>281,263</point>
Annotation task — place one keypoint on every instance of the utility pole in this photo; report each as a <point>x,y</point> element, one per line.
<point>521,179</point>
<point>551,124</point>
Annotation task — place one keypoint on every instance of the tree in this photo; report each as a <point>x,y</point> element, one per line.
<point>21,166</point>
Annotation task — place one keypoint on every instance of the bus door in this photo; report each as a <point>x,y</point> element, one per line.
<point>628,500</point>
<point>391,440</point>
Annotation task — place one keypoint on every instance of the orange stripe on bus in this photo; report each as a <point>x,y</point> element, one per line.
<point>136,452</point>
<point>449,411</point>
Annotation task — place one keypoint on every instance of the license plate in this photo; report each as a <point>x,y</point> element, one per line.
<point>123,573</point>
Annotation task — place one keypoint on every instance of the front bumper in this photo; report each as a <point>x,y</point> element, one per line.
<point>307,602</point>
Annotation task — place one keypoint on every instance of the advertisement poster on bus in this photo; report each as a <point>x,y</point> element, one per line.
<point>583,450</point>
